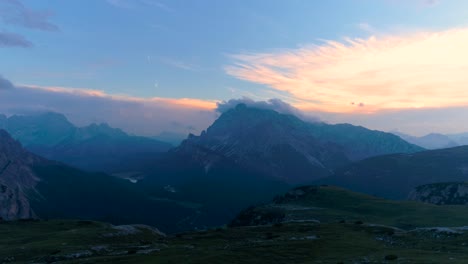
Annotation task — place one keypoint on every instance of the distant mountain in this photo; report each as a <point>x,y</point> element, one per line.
<point>283,146</point>
<point>97,147</point>
<point>461,138</point>
<point>47,129</point>
<point>170,137</point>
<point>394,176</point>
<point>431,141</point>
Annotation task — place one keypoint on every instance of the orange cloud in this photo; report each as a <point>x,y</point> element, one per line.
<point>141,116</point>
<point>421,70</point>
<point>180,102</point>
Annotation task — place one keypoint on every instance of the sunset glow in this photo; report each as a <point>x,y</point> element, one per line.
<point>419,70</point>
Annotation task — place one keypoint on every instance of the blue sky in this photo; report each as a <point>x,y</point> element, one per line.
<point>186,49</point>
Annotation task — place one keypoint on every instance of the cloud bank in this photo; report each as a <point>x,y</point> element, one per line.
<point>416,71</point>
<point>141,116</point>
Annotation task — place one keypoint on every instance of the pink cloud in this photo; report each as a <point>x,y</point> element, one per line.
<point>420,70</point>
<point>142,116</point>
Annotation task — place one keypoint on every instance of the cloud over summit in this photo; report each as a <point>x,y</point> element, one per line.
<point>272,104</point>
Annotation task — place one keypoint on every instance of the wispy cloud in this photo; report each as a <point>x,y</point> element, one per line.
<point>8,39</point>
<point>15,13</point>
<point>121,3</point>
<point>178,63</point>
<point>366,27</point>
<point>180,102</point>
<point>420,70</point>
<point>129,4</point>
<point>271,104</point>
<point>430,2</point>
<point>157,4</point>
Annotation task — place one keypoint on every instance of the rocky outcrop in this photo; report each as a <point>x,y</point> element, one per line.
<point>454,193</point>
<point>16,178</point>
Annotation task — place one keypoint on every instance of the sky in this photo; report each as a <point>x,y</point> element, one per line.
<point>153,66</point>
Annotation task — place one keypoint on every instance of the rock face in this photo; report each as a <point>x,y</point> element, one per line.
<point>16,178</point>
<point>285,147</point>
<point>453,193</point>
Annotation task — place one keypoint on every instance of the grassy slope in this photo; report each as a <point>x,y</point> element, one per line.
<point>331,241</point>
<point>334,203</point>
<point>289,243</point>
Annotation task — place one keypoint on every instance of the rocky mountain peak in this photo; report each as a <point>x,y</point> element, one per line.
<point>16,178</point>
<point>284,146</point>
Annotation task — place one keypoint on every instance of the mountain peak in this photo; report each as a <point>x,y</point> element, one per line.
<point>102,129</point>
<point>284,146</point>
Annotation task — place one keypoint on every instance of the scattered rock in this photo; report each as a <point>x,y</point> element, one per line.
<point>126,230</point>
<point>148,251</point>
<point>79,254</point>
<point>8,259</point>
<point>100,248</point>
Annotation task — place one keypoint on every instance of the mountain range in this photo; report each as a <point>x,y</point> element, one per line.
<point>96,147</point>
<point>247,156</point>
<point>283,146</point>
<point>436,140</point>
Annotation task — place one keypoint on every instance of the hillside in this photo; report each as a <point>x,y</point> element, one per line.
<point>328,204</point>
<point>394,176</point>
<point>33,187</point>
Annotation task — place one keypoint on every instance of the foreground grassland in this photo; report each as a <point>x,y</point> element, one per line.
<point>89,242</point>
<point>306,225</point>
